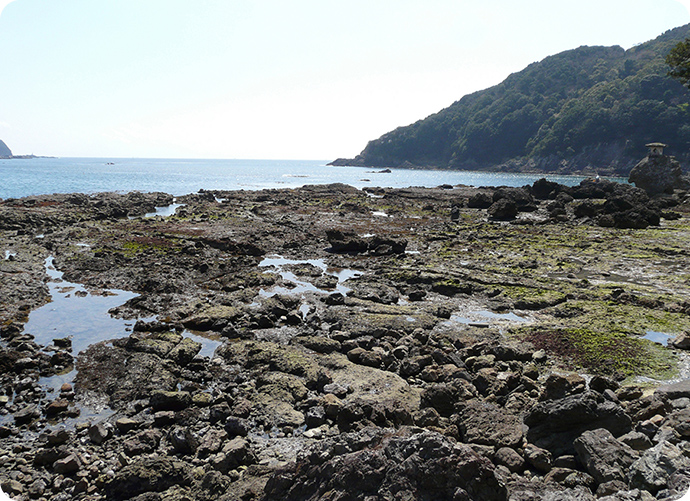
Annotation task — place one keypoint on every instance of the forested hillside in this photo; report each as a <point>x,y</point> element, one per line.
<point>590,109</point>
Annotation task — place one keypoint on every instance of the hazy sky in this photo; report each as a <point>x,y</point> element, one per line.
<point>307,79</point>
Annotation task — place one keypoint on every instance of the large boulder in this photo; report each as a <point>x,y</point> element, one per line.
<point>605,458</point>
<point>488,424</point>
<point>657,174</point>
<point>146,475</point>
<point>555,424</point>
<point>652,471</point>
<point>387,464</point>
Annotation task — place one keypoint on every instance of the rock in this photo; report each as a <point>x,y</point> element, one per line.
<point>653,469</point>
<point>146,475</point>
<point>125,424</point>
<point>524,490</point>
<point>679,421</point>
<point>558,386</point>
<point>510,459</point>
<point>170,400</point>
<point>58,437</point>
<point>444,396</point>
<point>611,487</point>
<point>211,442</point>
<point>657,174</point>
<point>681,341</point>
<point>632,495</point>
<point>342,241</point>
<point>163,418</point>
<point>100,432</point>
<point>488,424</point>
<point>503,209</point>
<point>67,465</point>
<point>569,477</point>
<point>57,407</point>
<point>183,440</point>
<point>144,442</point>
<point>184,352</point>
<point>604,457</point>
<point>202,399</point>
<point>555,424</point>
<point>480,200</point>
<point>235,453</point>
<point>636,440</point>
<point>27,414</point>
<point>539,459</point>
<point>675,390</point>
<point>37,488</point>
<point>404,464</point>
<point>543,189</point>
<point>235,426</point>
<point>12,487</point>
<point>335,299</point>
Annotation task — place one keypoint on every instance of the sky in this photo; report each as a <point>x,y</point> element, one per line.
<point>271,79</point>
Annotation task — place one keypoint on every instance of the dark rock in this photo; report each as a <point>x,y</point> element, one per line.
<point>170,400</point>
<point>657,174</point>
<point>555,424</point>
<point>211,442</point>
<point>510,459</point>
<point>604,457</point>
<point>27,414</point>
<point>488,424</point>
<point>237,426</point>
<point>503,209</point>
<point>681,341</point>
<point>57,407</point>
<point>343,241</point>
<point>654,467</point>
<point>144,442</point>
<point>183,440</point>
<point>146,475</point>
<point>67,466</point>
<point>184,352</point>
<point>100,432</point>
<point>539,459</point>
<point>675,390</point>
<point>557,386</point>
<point>404,464</point>
<point>636,440</point>
<point>235,453</point>
<point>543,189</point>
<point>444,396</point>
<point>480,200</point>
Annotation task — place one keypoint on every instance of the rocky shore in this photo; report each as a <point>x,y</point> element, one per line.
<point>381,344</point>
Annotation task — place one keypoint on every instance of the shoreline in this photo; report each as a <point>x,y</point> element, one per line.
<point>491,332</point>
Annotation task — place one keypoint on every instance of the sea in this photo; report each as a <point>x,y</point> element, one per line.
<point>38,176</point>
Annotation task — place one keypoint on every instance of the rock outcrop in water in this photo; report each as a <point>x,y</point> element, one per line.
<point>370,344</point>
<point>5,152</point>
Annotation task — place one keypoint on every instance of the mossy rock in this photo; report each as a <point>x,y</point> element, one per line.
<point>275,357</point>
<point>603,352</point>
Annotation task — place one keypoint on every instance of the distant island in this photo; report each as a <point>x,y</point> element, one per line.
<point>6,153</point>
<point>583,111</point>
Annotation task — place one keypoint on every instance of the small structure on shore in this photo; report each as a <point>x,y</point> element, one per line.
<point>658,173</point>
<point>656,149</point>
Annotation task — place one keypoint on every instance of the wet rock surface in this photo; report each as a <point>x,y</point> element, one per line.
<point>451,343</point>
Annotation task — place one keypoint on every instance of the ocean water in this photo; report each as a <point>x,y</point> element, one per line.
<point>36,176</point>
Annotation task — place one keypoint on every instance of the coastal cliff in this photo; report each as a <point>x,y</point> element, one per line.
<point>587,110</point>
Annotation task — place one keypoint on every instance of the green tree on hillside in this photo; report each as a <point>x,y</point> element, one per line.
<point>679,61</point>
